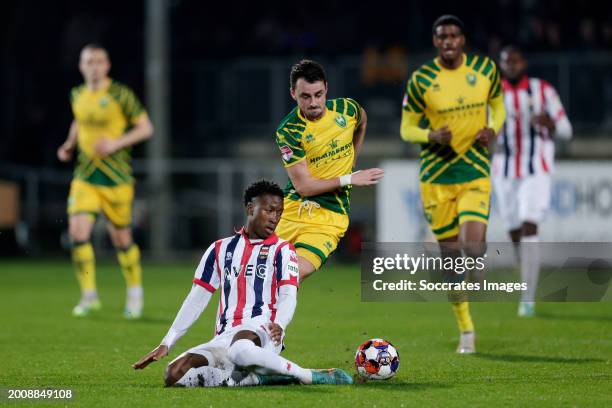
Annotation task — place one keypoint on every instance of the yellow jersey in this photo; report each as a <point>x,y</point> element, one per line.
<point>104,113</point>
<point>462,99</point>
<point>325,144</point>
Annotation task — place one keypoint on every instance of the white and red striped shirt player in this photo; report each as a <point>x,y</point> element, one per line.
<point>524,158</point>
<point>525,149</point>
<point>251,275</point>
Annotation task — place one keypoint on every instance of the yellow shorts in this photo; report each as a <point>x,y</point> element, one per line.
<point>315,232</point>
<point>447,206</point>
<point>114,202</point>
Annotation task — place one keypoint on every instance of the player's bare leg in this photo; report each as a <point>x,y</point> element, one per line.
<point>451,248</point>
<point>128,255</point>
<point>472,235</point>
<point>470,242</point>
<point>530,267</point>
<point>79,228</point>
<point>268,368</point>
<point>306,268</point>
<point>179,372</point>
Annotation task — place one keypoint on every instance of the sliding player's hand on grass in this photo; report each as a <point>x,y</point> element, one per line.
<point>160,352</point>
<point>276,333</point>
<point>367,177</point>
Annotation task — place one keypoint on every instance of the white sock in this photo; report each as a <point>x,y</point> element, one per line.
<point>89,295</point>
<point>204,376</point>
<point>245,353</point>
<point>135,291</point>
<point>530,266</point>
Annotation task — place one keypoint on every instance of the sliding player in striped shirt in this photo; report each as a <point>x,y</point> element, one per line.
<point>523,162</point>
<point>258,276</point>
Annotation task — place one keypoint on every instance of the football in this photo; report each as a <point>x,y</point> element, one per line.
<point>377,359</point>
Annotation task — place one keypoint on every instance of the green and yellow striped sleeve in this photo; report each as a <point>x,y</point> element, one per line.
<point>131,106</point>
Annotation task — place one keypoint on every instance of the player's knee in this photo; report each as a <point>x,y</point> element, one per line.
<point>305,274</point>
<point>305,267</point>
<point>78,234</point>
<point>122,238</point>
<point>171,375</point>
<point>474,249</point>
<point>238,350</point>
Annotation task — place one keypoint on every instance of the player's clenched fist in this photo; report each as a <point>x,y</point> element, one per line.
<point>160,352</point>
<point>64,153</point>
<point>105,147</point>
<point>442,136</point>
<point>485,136</point>
<point>367,177</point>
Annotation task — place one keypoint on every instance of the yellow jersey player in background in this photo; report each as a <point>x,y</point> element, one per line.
<point>319,141</point>
<point>108,120</point>
<point>454,107</point>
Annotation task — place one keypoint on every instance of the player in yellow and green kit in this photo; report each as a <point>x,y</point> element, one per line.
<point>319,141</point>
<point>108,120</point>
<point>454,107</point>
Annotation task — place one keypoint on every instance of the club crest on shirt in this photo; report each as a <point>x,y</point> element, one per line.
<point>263,252</point>
<point>103,102</point>
<point>286,152</point>
<point>228,255</point>
<point>261,271</point>
<point>471,79</point>
<point>340,121</point>
<point>333,144</point>
<point>309,138</point>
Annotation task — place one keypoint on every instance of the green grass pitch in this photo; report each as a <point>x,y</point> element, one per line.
<point>561,358</point>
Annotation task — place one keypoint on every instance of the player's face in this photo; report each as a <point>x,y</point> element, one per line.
<point>94,64</point>
<point>310,97</point>
<point>263,214</point>
<point>449,40</point>
<point>512,64</point>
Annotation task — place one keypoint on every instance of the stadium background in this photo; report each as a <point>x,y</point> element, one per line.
<point>221,89</point>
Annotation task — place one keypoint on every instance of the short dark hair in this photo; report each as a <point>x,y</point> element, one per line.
<point>94,46</point>
<point>512,48</point>
<point>310,70</point>
<point>260,188</point>
<point>448,19</point>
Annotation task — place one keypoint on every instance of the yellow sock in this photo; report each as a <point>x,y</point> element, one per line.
<point>85,266</point>
<point>464,319</point>
<point>130,266</point>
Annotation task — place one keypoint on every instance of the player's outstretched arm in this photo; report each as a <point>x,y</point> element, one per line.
<point>160,352</point>
<point>190,311</point>
<point>307,186</point>
<point>64,152</point>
